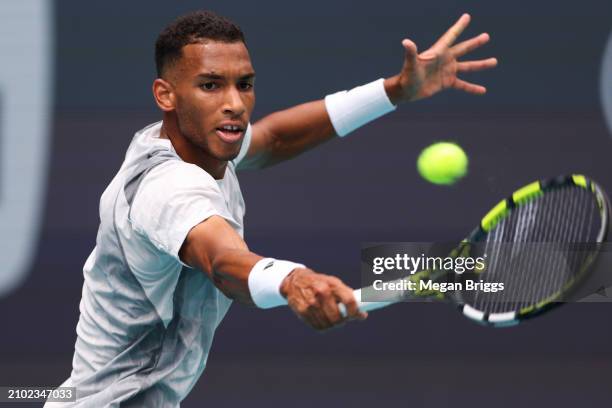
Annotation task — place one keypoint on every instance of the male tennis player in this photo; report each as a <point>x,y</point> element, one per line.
<point>169,256</point>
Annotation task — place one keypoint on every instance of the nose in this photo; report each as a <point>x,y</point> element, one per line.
<point>234,105</point>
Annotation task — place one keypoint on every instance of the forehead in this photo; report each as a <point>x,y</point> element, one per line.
<point>213,57</point>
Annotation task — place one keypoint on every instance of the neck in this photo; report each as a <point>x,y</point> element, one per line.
<point>189,152</point>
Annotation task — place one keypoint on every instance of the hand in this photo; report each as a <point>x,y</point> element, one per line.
<point>314,297</point>
<point>436,69</point>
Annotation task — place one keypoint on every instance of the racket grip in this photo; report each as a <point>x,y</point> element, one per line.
<point>363,306</point>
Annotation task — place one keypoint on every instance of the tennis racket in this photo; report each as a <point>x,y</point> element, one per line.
<point>542,242</point>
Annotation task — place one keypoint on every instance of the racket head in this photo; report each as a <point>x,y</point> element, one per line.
<point>542,242</point>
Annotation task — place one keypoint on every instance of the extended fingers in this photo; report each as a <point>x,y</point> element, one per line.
<point>469,45</point>
<point>479,65</point>
<point>469,87</point>
<point>454,32</point>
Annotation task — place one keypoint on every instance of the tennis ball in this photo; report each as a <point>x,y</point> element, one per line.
<point>442,163</point>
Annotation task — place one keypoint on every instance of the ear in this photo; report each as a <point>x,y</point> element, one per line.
<point>163,92</point>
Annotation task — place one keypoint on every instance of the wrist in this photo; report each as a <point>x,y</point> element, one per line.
<point>349,110</point>
<point>266,280</point>
<point>393,88</point>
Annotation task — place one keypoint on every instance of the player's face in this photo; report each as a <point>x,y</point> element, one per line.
<point>214,96</point>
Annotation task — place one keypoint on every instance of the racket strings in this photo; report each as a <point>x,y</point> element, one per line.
<point>547,256</point>
<point>537,250</point>
<point>555,270</point>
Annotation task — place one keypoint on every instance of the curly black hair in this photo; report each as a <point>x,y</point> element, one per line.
<point>192,28</point>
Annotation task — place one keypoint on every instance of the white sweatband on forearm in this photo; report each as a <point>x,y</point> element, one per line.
<point>350,110</point>
<point>265,280</point>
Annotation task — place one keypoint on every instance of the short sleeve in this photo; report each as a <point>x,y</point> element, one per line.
<point>173,198</point>
<point>246,143</point>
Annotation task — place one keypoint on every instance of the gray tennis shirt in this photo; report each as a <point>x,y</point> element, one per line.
<point>147,320</point>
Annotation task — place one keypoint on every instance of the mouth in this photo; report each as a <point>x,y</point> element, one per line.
<point>230,133</point>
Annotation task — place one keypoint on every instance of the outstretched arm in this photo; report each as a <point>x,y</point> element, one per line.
<point>285,134</point>
<point>215,248</point>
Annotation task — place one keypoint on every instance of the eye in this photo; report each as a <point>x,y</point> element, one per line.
<point>245,86</point>
<point>209,86</point>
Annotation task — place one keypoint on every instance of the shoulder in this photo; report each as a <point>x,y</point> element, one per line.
<point>171,199</point>
<point>174,187</point>
<point>178,175</point>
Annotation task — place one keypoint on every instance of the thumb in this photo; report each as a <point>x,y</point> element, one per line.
<point>411,52</point>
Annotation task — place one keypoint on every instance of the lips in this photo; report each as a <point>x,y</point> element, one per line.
<point>230,133</point>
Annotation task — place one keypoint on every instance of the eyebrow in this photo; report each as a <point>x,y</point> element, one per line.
<point>207,75</point>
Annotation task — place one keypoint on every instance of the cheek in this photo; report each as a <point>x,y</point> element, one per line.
<point>197,112</point>
<point>206,108</point>
<point>249,102</point>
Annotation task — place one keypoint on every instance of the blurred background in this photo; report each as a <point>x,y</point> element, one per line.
<point>76,84</point>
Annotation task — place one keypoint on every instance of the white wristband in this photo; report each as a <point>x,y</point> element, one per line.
<point>350,110</point>
<point>265,280</point>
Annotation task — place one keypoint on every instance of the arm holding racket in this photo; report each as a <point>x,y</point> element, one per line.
<point>216,249</point>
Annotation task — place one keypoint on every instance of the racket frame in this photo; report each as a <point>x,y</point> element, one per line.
<point>498,213</point>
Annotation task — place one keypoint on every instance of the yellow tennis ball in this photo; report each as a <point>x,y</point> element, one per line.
<point>442,163</point>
